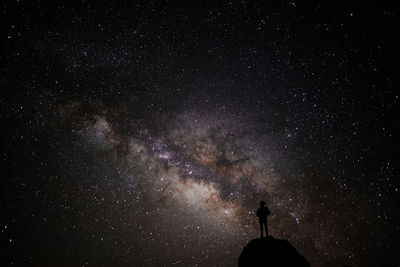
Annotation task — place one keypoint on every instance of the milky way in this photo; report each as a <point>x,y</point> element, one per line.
<point>147,135</point>
<point>209,168</point>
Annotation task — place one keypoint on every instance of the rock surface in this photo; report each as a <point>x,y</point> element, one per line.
<point>270,251</point>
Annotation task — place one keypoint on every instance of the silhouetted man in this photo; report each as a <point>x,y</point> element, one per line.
<point>262,214</point>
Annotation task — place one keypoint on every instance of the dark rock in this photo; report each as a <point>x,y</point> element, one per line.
<point>269,251</point>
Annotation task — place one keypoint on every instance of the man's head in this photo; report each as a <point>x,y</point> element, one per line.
<point>262,203</point>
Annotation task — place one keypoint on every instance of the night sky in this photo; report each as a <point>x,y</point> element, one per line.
<point>146,134</point>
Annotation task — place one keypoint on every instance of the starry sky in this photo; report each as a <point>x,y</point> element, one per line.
<point>146,134</point>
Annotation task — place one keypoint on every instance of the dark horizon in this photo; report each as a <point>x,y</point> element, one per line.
<point>147,134</point>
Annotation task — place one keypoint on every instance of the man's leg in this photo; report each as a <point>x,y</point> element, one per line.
<point>261,228</point>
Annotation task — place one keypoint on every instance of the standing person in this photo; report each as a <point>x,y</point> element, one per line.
<point>262,214</point>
